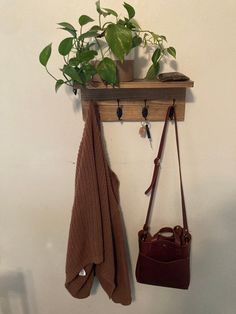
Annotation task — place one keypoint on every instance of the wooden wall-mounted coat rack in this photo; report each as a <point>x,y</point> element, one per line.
<point>132,95</point>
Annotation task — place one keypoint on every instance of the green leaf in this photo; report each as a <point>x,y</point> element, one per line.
<point>88,34</point>
<point>45,55</point>
<point>155,37</point>
<point>89,71</point>
<point>98,7</point>
<point>136,41</point>
<point>71,31</point>
<point>74,62</point>
<point>58,84</point>
<point>135,23</point>
<point>163,37</point>
<point>112,12</point>
<point>119,39</point>
<point>86,72</point>
<point>65,46</point>
<point>72,72</point>
<point>146,39</point>
<point>153,71</point>
<point>85,19</point>
<point>130,10</point>
<point>129,24</point>
<point>107,70</point>
<point>89,45</point>
<point>95,28</point>
<point>67,25</point>
<point>172,51</point>
<point>121,22</point>
<point>156,55</point>
<point>86,56</point>
<point>99,10</point>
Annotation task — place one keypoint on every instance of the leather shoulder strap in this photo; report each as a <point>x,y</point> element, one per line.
<point>170,114</point>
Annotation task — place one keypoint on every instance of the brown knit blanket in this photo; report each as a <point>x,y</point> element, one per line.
<point>96,241</point>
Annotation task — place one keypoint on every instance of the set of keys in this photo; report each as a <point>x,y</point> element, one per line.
<point>144,130</point>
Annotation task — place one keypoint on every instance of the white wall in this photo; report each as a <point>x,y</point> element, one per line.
<point>40,132</point>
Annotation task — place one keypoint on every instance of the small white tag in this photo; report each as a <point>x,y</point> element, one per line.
<point>82,273</point>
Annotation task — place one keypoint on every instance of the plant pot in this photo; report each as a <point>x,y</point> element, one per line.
<point>124,71</point>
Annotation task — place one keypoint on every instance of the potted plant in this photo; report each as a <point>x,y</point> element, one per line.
<point>99,48</point>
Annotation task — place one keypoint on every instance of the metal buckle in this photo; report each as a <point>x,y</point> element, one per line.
<point>157,161</point>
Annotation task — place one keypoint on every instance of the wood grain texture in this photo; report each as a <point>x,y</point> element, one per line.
<point>143,84</point>
<point>157,94</point>
<point>132,111</point>
<point>162,94</point>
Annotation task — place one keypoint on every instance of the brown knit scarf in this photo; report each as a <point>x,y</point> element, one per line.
<point>96,242</point>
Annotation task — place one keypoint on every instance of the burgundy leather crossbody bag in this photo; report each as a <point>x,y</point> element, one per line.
<point>164,257</point>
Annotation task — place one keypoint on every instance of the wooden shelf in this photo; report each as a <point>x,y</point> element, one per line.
<point>144,84</point>
<point>159,96</point>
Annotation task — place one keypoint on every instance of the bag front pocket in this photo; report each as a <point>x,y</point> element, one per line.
<point>175,274</point>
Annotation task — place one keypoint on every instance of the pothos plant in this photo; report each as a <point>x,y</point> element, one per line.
<point>85,45</point>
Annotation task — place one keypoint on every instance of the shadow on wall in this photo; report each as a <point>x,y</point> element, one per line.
<point>13,293</point>
<point>140,62</point>
<point>213,279</point>
<point>129,261</point>
<point>190,98</point>
<point>143,61</point>
<point>75,99</point>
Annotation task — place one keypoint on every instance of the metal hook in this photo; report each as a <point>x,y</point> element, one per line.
<point>172,110</point>
<point>145,110</point>
<point>119,111</point>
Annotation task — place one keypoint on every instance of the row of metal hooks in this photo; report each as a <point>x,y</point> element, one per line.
<point>144,130</point>
<point>145,110</point>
